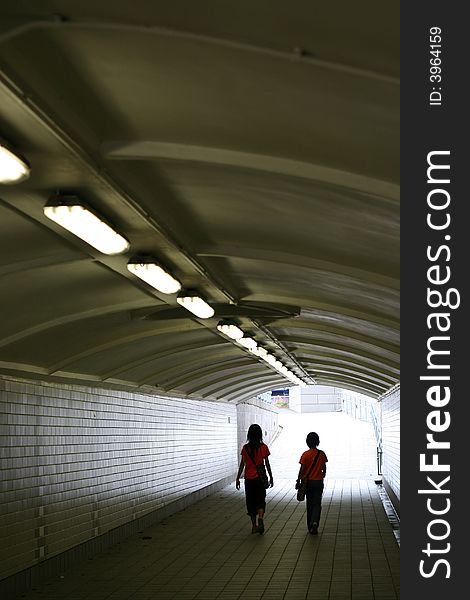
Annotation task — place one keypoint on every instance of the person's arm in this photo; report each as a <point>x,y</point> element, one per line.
<point>268,467</point>
<point>240,471</point>
<point>301,472</point>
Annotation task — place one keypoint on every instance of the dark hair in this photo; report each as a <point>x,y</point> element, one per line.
<point>254,435</point>
<point>312,440</point>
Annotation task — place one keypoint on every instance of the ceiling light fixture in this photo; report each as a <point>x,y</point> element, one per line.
<point>261,352</point>
<point>13,169</point>
<point>270,359</point>
<point>82,222</point>
<point>248,342</point>
<point>230,330</point>
<point>194,303</point>
<point>153,274</point>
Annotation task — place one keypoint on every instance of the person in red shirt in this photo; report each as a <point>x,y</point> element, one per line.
<point>316,457</point>
<point>254,453</point>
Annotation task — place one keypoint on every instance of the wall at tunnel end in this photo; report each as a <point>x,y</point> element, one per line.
<point>84,467</point>
<point>314,398</point>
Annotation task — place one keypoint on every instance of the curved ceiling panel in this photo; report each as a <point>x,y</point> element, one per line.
<point>257,163</point>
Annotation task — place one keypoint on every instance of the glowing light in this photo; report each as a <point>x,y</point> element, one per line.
<point>230,330</point>
<point>12,168</point>
<point>155,276</point>
<point>196,305</point>
<point>87,226</point>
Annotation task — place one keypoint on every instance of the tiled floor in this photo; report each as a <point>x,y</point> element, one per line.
<point>207,551</point>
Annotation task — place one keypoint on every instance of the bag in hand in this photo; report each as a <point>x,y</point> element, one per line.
<point>301,490</point>
<point>261,469</point>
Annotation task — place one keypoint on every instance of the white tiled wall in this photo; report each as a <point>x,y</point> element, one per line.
<point>357,405</point>
<point>78,462</point>
<point>314,398</point>
<point>391,440</point>
<point>295,399</point>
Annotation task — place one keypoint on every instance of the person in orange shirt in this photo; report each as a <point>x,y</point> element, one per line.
<point>254,453</point>
<point>316,457</point>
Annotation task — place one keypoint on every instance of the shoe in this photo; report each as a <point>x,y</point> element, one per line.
<point>260,526</point>
<point>314,528</point>
<point>254,529</point>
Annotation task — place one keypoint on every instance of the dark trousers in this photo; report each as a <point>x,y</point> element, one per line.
<point>255,495</point>
<point>313,497</point>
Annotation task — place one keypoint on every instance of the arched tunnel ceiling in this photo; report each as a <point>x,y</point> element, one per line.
<point>253,149</point>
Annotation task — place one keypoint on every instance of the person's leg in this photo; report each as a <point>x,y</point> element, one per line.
<point>254,527</point>
<point>317,493</point>
<point>309,501</point>
<point>250,497</point>
<point>260,521</point>
<point>260,505</point>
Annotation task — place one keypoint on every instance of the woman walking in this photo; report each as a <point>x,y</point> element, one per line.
<point>254,453</point>
<point>313,468</point>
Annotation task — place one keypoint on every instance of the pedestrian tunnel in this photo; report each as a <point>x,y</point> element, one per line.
<point>197,207</point>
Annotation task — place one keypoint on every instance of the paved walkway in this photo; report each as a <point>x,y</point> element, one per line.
<point>208,552</point>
